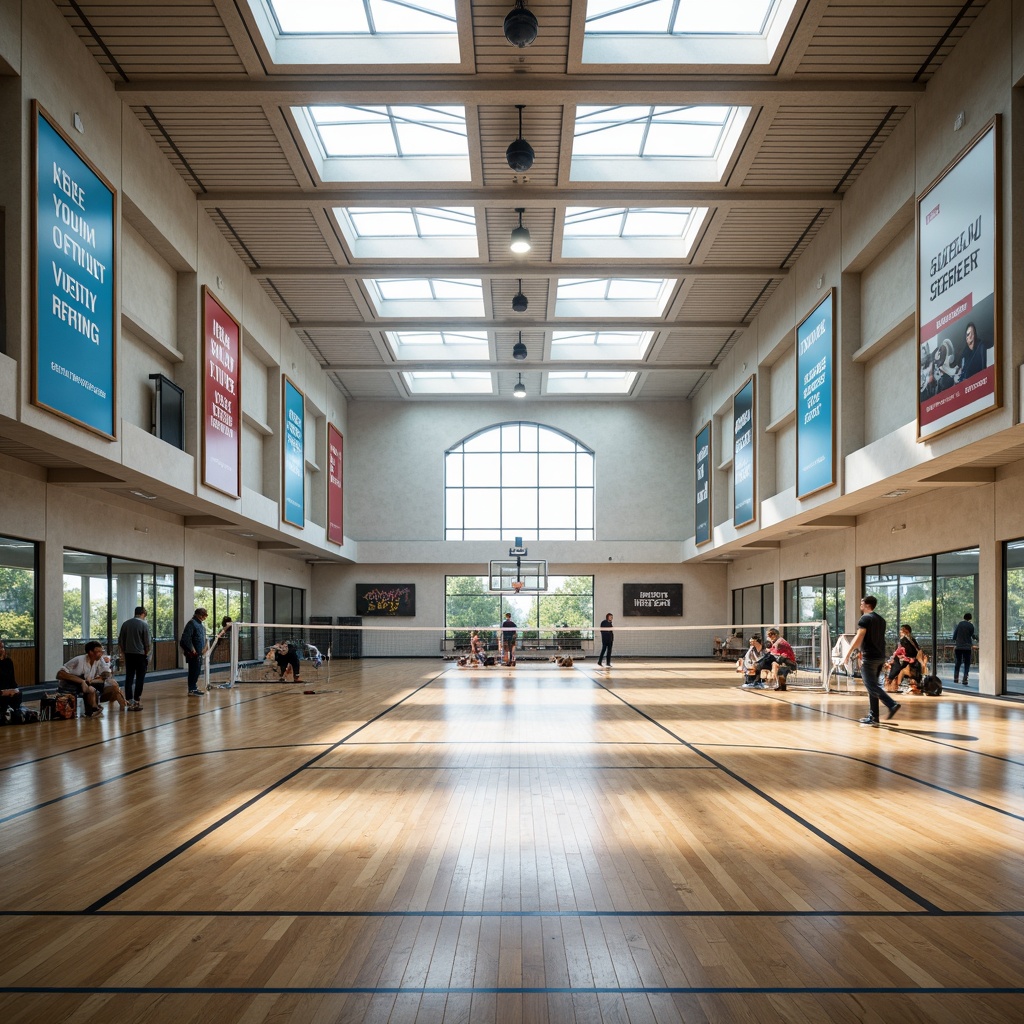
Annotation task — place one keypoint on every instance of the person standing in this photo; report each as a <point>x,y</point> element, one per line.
<point>135,643</point>
<point>508,640</point>
<point>963,646</point>
<point>870,639</point>
<point>607,638</point>
<point>10,695</point>
<point>193,646</point>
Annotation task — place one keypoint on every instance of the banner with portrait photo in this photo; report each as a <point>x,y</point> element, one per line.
<point>744,476</point>
<point>815,398</point>
<point>958,289</point>
<point>702,485</point>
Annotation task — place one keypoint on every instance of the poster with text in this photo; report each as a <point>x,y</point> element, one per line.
<point>335,485</point>
<point>958,289</point>
<point>392,599</point>
<point>652,599</point>
<point>293,442</point>
<point>74,367</point>
<point>222,395</point>
<point>702,485</point>
<point>815,399</point>
<point>743,467</point>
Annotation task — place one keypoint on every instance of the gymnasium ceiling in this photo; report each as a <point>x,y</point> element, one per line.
<point>636,306</point>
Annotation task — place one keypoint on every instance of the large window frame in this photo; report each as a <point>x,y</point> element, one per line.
<point>1013,617</point>
<point>568,603</point>
<point>121,583</point>
<point>519,479</point>
<point>224,595</point>
<point>19,606</point>
<point>810,599</point>
<point>753,606</point>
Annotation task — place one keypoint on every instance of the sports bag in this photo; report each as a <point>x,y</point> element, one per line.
<point>65,705</point>
<point>931,686</point>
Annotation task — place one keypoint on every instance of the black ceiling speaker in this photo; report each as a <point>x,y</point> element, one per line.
<point>519,300</point>
<point>519,349</point>
<point>520,153</point>
<point>520,25</point>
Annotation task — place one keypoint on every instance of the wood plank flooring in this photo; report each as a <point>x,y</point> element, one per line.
<point>418,843</point>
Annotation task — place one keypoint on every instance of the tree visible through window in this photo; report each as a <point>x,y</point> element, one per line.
<point>519,480</point>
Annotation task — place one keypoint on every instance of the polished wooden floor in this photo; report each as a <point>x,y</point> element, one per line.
<point>418,843</point>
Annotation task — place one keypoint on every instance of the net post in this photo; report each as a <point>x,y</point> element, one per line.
<point>825,659</point>
<point>234,628</point>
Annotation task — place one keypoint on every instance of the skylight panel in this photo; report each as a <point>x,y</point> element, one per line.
<point>655,143</point>
<point>390,142</point>
<point>448,382</point>
<point>590,382</point>
<point>598,345</point>
<point>410,232</point>
<point>369,17</point>
<point>451,345</point>
<point>675,32</point>
<point>426,297</point>
<point>630,232</point>
<point>612,297</point>
<point>725,17</point>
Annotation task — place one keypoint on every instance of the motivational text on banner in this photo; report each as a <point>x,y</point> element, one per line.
<point>815,419</point>
<point>222,435</point>
<point>293,437</point>
<point>743,455</point>
<point>702,486</point>
<point>75,274</point>
<point>335,485</point>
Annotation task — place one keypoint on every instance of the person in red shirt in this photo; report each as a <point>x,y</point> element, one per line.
<point>783,660</point>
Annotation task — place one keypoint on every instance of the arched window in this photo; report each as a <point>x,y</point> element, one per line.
<point>519,480</point>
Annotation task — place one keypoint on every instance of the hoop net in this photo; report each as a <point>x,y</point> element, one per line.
<point>517,585</point>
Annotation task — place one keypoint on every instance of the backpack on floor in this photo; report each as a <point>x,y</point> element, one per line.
<point>932,686</point>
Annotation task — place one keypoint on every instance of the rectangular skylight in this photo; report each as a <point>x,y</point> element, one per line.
<point>359,32</point>
<point>413,232</point>
<point>598,345</point>
<point>613,296</point>
<point>590,382</point>
<point>630,232</point>
<point>389,142</point>
<point>448,382</point>
<point>669,32</point>
<point>426,297</point>
<point>451,345</point>
<point>655,143</point>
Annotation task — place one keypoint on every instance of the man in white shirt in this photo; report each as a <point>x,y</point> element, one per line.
<point>90,675</point>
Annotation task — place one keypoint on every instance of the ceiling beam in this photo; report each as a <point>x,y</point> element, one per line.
<point>513,271</point>
<point>528,365</point>
<point>609,88</point>
<point>593,324</point>
<point>449,193</point>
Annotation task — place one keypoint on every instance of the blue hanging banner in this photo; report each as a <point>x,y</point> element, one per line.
<point>75,270</point>
<point>815,399</point>
<point>293,442</point>
<point>743,474</point>
<point>702,485</point>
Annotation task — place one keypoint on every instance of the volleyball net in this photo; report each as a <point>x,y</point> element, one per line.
<point>271,652</point>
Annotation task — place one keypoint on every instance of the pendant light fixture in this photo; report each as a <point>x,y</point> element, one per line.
<point>519,300</point>
<point>520,389</point>
<point>519,154</point>
<point>520,25</point>
<point>519,349</point>
<point>520,238</point>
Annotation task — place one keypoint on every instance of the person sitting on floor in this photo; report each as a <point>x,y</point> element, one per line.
<point>286,656</point>
<point>10,695</point>
<point>903,660</point>
<point>89,675</point>
<point>749,664</point>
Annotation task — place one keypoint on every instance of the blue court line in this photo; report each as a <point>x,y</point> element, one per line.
<point>846,851</point>
<point>465,990</point>
<point>210,829</point>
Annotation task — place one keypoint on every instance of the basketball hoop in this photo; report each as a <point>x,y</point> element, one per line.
<point>517,585</point>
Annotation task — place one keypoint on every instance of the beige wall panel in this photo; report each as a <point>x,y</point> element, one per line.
<point>888,285</point>
<point>891,389</point>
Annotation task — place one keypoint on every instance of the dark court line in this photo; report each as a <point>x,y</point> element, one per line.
<point>511,990</point>
<point>198,837</point>
<point>510,768</point>
<point>846,851</point>
<point>146,767</point>
<point>133,732</point>
<point>513,915</point>
<point>881,767</point>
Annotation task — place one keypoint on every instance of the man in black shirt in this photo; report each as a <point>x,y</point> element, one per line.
<point>870,639</point>
<point>963,647</point>
<point>607,637</point>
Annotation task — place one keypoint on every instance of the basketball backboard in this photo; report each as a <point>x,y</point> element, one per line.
<point>505,573</point>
